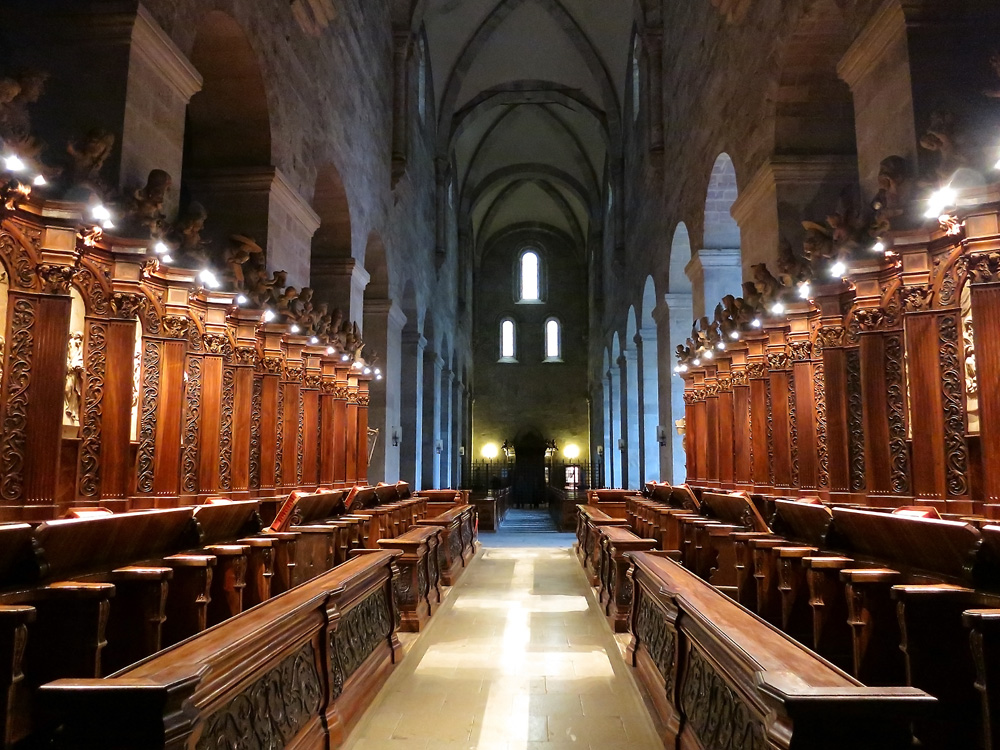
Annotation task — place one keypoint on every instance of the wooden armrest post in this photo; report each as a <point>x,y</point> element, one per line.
<point>796,614</point>
<point>188,596</point>
<point>746,584</point>
<point>260,570</point>
<point>938,659</point>
<point>284,560</point>
<point>228,582</point>
<point>984,637</point>
<point>15,711</point>
<point>70,631</point>
<point>135,624</point>
<point>765,574</point>
<point>875,633</point>
<point>831,635</point>
<point>721,556</point>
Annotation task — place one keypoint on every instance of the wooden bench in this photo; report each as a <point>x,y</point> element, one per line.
<point>719,676</point>
<point>616,589</point>
<point>458,540</point>
<point>297,671</point>
<point>418,591</point>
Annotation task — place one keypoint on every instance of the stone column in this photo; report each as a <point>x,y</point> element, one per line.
<point>713,275</point>
<point>673,325</point>
<point>615,380</point>
<point>458,433</point>
<point>647,344</point>
<point>412,408</point>
<point>447,384</point>
<point>341,282</point>
<point>384,321</point>
<point>433,368</point>
<point>631,406</point>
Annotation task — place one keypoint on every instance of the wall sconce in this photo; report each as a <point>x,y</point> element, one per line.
<point>621,444</point>
<point>395,438</point>
<point>461,450</point>
<point>438,447</point>
<point>600,450</point>
<point>661,436</point>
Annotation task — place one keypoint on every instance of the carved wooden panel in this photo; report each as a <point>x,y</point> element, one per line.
<point>96,365</point>
<point>226,429</point>
<point>358,633</point>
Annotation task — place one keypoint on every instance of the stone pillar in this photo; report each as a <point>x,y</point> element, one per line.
<point>647,345</point>
<point>652,45</point>
<point>631,430</point>
<point>384,322</point>
<point>458,434</point>
<point>412,408</point>
<point>713,275</point>
<point>447,384</point>
<point>433,369</point>
<point>786,191</point>
<point>673,326</point>
<point>615,380</point>
<point>341,282</point>
<point>263,204</point>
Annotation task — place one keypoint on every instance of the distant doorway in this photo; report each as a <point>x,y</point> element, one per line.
<point>528,481</point>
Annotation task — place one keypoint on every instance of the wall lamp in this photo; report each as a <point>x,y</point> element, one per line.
<point>395,438</point>
<point>661,436</point>
<point>621,444</point>
<point>438,447</point>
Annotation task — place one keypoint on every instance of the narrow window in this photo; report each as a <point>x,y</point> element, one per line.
<point>636,83</point>
<point>530,286</point>
<point>508,351</point>
<point>553,344</point>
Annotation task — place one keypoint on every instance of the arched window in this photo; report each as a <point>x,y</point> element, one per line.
<point>508,341</point>
<point>531,286</point>
<point>553,340</point>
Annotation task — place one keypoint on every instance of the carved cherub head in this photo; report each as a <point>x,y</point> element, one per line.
<point>32,83</point>
<point>9,89</point>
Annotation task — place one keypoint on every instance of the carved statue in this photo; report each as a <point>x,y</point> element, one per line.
<point>354,343</point>
<point>144,212</point>
<point>274,286</point>
<point>893,194</point>
<point>752,299</point>
<point>942,138</point>
<point>337,336</point>
<point>255,279</point>
<point>849,228</point>
<point>185,237</point>
<point>817,245</point>
<point>792,270</point>
<point>319,323</point>
<point>766,285</point>
<point>238,260</point>
<point>16,96</point>
<point>73,395</point>
<point>994,93</point>
<point>285,300</point>
<point>301,307</point>
<point>86,159</point>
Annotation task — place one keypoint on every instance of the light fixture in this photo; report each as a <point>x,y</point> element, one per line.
<point>438,447</point>
<point>345,357</point>
<point>805,290</point>
<point>160,248</point>
<point>621,444</point>
<point>209,279</point>
<point>108,224</point>
<point>756,323</point>
<point>100,212</point>
<point>661,436</point>
<point>777,308</point>
<point>367,371</point>
<point>939,201</point>
<point>490,451</point>
<point>709,354</point>
<point>241,300</point>
<point>378,377</point>
<point>294,328</point>
<point>684,368</point>
<point>313,340</point>
<point>166,259</point>
<point>268,316</point>
<point>395,438</point>
<point>735,335</point>
<point>696,361</point>
<point>677,369</point>
<point>572,452</point>
<point>721,346</point>
<point>13,163</point>
<point>356,365</point>
<point>378,371</point>
<point>878,247</point>
<point>330,350</point>
<point>39,181</point>
<point>838,269</point>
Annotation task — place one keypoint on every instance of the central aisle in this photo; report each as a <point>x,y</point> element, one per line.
<point>518,658</point>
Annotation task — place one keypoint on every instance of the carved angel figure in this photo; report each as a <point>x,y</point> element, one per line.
<point>144,212</point>
<point>942,138</point>
<point>73,394</point>
<point>17,94</point>
<point>893,194</point>
<point>767,286</point>
<point>185,237</point>
<point>994,93</point>
<point>86,159</point>
<point>792,270</point>
<point>237,258</point>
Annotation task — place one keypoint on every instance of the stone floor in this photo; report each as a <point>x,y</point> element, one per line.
<point>518,658</point>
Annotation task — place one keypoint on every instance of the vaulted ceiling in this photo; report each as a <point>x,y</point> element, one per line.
<point>528,95</point>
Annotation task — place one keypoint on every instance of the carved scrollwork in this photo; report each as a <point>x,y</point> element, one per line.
<point>329,387</point>
<point>272,711</point>
<point>829,337</point>
<point>895,397</point>
<point>226,429</point>
<point>245,355</point>
<point>147,419</point>
<point>740,378</point>
<point>793,429</point>
<point>659,639</point>
<point>20,260</point>
<point>715,713</point>
<point>126,305</point>
<point>217,343</point>
<point>777,361</point>
<point>757,370</point>
<point>819,399</point>
<point>279,447</point>
<point>769,410</point>
<point>801,351</point>
<point>255,412</point>
<point>93,289</point>
<point>300,438</point>
<point>15,422</point>
<point>712,390</point>
<point>294,373</point>
<point>89,483</point>
<point>272,365</point>
<point>855,425</point>
<point>984,268</point>
<point>953,388</point>
<point>869,319</point>
<point>916,298</point>
<point>725,385</point>
<point>192,416</point>
<point>358,634</point>
<point>56,279</point>
<point>176,326</point>
<point>953,278</point>
<point>312,382</point>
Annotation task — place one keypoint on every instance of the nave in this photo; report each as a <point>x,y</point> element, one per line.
<point>518,658</point>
